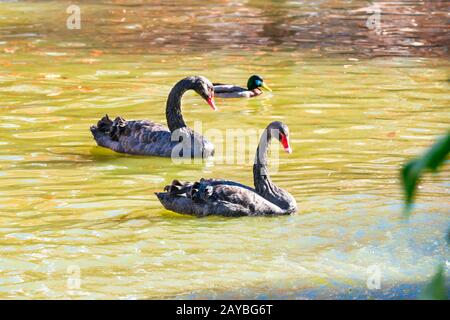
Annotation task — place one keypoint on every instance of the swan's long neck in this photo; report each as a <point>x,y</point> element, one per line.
<point>261,176</point>
<point>263,184</point>
<point>173,107</point>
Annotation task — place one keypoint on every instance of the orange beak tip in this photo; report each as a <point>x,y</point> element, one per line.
<point>210,101</point>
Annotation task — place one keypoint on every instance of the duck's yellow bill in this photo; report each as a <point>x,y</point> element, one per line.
<point>265,86</point>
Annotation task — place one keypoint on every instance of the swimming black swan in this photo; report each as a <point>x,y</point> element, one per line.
<point>228,198</point>
<point>143,137</point>
<point>254,84</point>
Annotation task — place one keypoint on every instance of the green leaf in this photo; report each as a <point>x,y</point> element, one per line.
<point>429,161</point>
<point>436,290</point>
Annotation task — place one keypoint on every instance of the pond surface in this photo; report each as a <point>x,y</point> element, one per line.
<point>356,114</point>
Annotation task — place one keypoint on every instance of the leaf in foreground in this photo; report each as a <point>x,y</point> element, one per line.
<point>436,290</point>
<point>414,169</point>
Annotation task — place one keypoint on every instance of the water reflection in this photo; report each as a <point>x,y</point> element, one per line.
<point>353,122</point>
<point>419,28</point>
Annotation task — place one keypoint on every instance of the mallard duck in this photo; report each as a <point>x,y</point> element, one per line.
<point>254,84</point>
<point>229,198</point>
<point>143,137</point>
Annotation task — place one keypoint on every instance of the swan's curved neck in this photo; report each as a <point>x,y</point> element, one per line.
<point>263,184</point>
<point>261,176</point>
<point>173,107</point>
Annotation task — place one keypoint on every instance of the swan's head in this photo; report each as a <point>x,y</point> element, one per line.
<point>205,89</point>
<point>280,131</point>
<point>256,82</point>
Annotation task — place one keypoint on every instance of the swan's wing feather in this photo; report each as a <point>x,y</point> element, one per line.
<point>143,132</point>
<point>147,139</point>
<point>134,137</point>
<point>215,196</point>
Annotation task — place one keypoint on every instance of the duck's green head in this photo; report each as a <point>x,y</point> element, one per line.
<point>255,82</point>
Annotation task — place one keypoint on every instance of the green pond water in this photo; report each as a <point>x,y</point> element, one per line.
<point>68,207</point>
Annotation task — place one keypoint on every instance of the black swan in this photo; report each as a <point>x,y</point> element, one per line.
<point>254,84</point>
<point>228,198</point>
<point>143,137</point>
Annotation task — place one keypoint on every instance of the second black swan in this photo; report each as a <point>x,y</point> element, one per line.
<point>229,198</point>
<point>144,137</point>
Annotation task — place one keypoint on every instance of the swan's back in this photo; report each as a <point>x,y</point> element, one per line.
<point>143,137</point>
<point>215,197</point>
<point>140,137</point>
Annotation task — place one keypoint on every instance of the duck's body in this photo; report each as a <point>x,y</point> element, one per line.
<point>144,137</point>
<point>254,85</point>
<point>229,198</point>
<point>226,91</point>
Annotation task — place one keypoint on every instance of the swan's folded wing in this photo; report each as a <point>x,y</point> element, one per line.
<point>179,204</point>
<point>202,189</point>
<point>215,196</point>
<point>144,131</point>
<point>146,138</point>
<point>236,194</point>
<point>134,137</point>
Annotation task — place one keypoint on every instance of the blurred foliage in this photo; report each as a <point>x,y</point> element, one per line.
<point>410,174</point>
<point>414,169</point>
<point>436,290</point>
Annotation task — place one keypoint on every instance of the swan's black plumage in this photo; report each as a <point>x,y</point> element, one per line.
<point>143,137</point>
<point>229,198</point>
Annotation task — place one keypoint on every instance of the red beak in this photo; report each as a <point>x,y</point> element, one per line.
<point>285,143</point>
<point>210,101</point>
